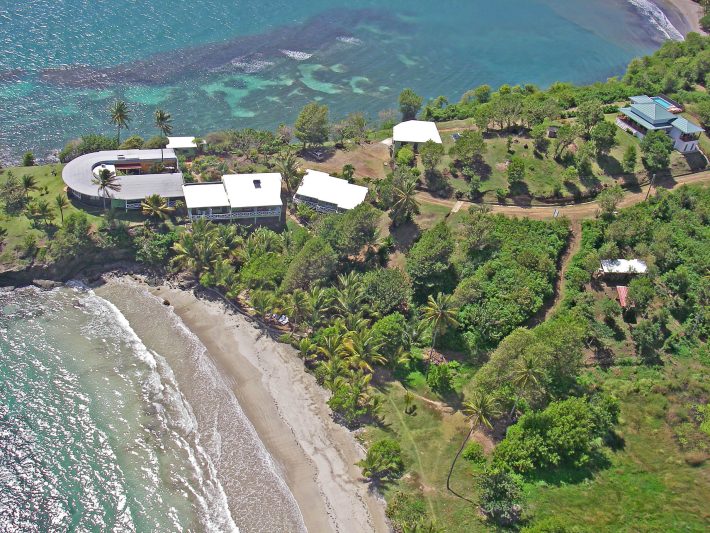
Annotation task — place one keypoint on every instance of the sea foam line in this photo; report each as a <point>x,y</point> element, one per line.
<point>188,424</point>
<point>658,18</point>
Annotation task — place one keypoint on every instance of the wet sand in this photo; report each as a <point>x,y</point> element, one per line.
<point>685,14</point>
<point>288,409</point>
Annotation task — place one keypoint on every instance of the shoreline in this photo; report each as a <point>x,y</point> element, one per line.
<point>683,13</point>
<point>288,410</point>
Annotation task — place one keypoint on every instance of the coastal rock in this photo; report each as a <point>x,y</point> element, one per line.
<point>46,284</point>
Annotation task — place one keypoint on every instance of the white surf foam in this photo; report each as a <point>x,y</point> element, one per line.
<point>205,486</point>
<point>295,54</point>
<point>658,19</point>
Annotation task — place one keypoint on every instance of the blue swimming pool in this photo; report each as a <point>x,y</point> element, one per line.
<point>662,102</point>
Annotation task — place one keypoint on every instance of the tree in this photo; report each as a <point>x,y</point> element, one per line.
<point>410,103</point>
<point>431,154</point>
<point>61,203</point>
<point>28,160</point>
<point>439,378</point>
<point>481,409</point>
<point>199,249</point>
<point>383,460</point>
<point>286,163</point>
<point>41,210</point>
<point>405,157</point>
<point>501,495</point>
<point>29,183</point>
<point>566,135</point>
<point>516,170</point>
<point>609,198</point>
<point>656,148</point>
<point>539,137</point>
<point>387,290</point>
<point>363,347</point>
<point>629,161</point>
<point>163,121</point>
<point>105,182</point>
<point>155,207</point>
<point>315,262</point>
<point>603,136</point>
<point>312,124</point>
<point>348,233</point>
<point>589,114</point>
<point>527,374</point>
<point>468,147</point>
<point>429,262</point>
<point>440,314</point>
<point>641,293</point>
<point>348,172</point>
<point>405,204</point>
<point>134,142</point>
<point>120,117</point>
<point>703,111</point>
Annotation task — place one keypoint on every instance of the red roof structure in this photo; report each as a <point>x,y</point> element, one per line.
<point>623,295</point>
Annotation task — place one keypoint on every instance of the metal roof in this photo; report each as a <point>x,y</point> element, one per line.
<point>201,195</point>
<point>654,113</point>
<point>624,266</point>
<point>642,99</point>
<point>629,112</point>
<point>253,190</point>
<point>684,125</point>
<point>78,175</point>
<point>416,131</point>
<point>182,143</point>
<point>336,191</point>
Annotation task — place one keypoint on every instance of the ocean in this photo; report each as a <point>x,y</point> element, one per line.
<point>246,63</point>
<point>113,417</point>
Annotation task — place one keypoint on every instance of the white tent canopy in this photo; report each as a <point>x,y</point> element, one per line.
<point>416,131</point>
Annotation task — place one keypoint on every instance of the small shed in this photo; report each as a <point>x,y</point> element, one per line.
<point>415,132</point>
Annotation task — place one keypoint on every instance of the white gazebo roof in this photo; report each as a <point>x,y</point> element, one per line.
<point>326,188</point>
<point>624,266</point>
<point>202,195</point>
<point>416,131</point>
<point>182,143</point>
<point>253,190</point>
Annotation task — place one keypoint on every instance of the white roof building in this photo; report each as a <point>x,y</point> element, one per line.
<point>253,190</point>
<point>319,188</point>
<point>204,195</point>
<point>182,143</point>
<point>416,131</point>
<point>623,266</point>
<point>237,196</point>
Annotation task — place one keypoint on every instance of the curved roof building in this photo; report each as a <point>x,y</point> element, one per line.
<point>135,176</point>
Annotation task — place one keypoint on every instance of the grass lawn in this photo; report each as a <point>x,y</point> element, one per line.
<point>49,184</point>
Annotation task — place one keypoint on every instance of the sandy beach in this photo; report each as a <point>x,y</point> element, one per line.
<point>288,409</point>
<point>684,14</point>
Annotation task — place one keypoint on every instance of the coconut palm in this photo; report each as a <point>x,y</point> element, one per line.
<point>163,121</point>
<point>440,314</point>
<point>318,305</point>
<point>29,183</point>
<point>481,410</point>
<point>405,204</point>
<point>41,210</point>
<point>363,347</point>
<point>262,302</point>
<point>197,250</point>
<point>120,117</point>
<point>61,203</point>
<point>331,372</point>
<point>106,181</point>
<point>332,346</point>
<point>155,207</point>
<point>287,164</point>
<point>526,374</point>
<point>297,306</point>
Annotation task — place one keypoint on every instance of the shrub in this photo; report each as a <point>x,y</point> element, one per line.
<point>439,378</point>
<point>501,494</point>
<point>28,160</point>
<point>134,142</point>
<point>390,331</point>
<point>383,460</point>
<point>516,170</point>
<point>156,142</point>
<point>405,157</point>
<point>474,453</point>
<point>154,248</point>
<point>387,290</point>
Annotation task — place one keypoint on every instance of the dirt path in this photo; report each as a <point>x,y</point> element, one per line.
<point>576,212</point>
<point>573,246</point>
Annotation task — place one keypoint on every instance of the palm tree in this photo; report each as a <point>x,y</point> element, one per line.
<point>332,346</point>
<point>297,305</point>
<point>364,349</point>
<point>163,121</point>
<point>107,181</point>
<point>155,207</point>
<point>405,204</point>
<point>29,183</point>
<point>526,373</point>
<point>198,249</point>
<point>331,372</point>
<point>440,314</point>
<point>318,305</point>
<point>61,203</point>
<point>42,211</point>
<point>287,164</point>
<point>120,117</point>
<point>480,410</point>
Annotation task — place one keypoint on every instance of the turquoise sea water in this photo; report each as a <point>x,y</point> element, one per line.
<point>114,418</point>
<point>238,63</point>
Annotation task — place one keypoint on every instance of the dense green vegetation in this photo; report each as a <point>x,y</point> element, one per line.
<point>474,419</point>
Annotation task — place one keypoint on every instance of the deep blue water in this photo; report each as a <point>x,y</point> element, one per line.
<point>238,63</point>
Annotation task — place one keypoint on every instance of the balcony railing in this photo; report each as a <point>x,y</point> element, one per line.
<point>261,213</point>
<point>320,208</point>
